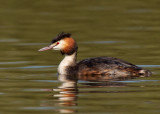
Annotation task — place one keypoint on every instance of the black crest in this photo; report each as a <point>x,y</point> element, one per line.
<point>61,36</point>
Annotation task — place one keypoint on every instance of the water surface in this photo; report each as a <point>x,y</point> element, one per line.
<point>124,29</point>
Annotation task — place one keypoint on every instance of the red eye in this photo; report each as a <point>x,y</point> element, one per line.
<point>57,43</point>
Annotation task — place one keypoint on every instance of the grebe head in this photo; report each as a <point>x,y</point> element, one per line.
<point>63,42</point>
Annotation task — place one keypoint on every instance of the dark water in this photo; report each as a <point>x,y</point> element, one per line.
<point>126,29</point>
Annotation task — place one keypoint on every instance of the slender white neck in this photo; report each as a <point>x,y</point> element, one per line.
<point>69,60</point>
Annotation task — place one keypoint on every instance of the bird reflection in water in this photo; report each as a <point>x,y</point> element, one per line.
<point>67,92</point>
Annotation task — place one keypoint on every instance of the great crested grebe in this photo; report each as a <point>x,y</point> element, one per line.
<point>91,66</point>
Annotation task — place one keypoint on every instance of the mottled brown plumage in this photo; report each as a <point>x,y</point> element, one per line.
<point>107,66</point>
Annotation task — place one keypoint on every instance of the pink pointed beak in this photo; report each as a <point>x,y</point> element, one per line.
<point>45,48</point>
<point>48,47</point>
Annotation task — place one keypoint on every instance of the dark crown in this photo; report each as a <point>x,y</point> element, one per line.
<point>61,36</point>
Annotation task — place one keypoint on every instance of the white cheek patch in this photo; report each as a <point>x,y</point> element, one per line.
<point>59,46</point>
<point>56,48</point>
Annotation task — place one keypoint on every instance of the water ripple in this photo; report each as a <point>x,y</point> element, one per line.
<point>17,62</point>
<point>29,67</point>
<point>1,93</point>
<point>36,90</point>
<point>139,11</point>
<point>8,40</point>
<point>148,65</point>
<point>137,81</point>
<point>45,80</point>
<point>38,108</point>
<point>32,44</point>
<point>99,42</point>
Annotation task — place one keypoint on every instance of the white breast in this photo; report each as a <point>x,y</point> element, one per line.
<point>69,60</point>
